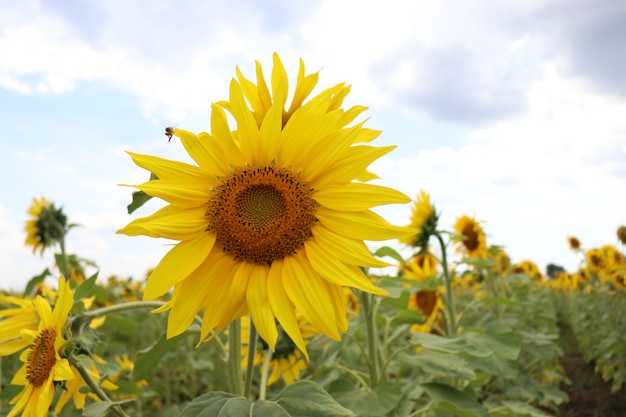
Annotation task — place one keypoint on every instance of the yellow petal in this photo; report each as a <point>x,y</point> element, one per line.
<point>179,262</point>
<point>170,222</point>
<point>309,293</point>
<point>283,307</point>
<point>357,196</point>
<point>334,270</point>
<point>247,129</point>
<point>226,149</point>
<point>186,195</point>
<point>62,370</point>
<point>260,307</point>
<point>350,251</point>
<point>362,225</point>
<point>168,170</point>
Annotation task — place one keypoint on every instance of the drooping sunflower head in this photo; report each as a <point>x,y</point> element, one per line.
<point>574,243</point>
<point>273,215</point>
<point>47,226</point>
<point>475,243</point>
<point>424,219</point>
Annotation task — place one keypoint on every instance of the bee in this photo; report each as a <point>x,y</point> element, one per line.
<point>169,132</point>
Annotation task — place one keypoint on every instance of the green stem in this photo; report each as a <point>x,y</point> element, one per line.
<point>252,341</point>
<point>64,267</point>
<point>372,338</point>
<point>119,308</point>
<point>453,328</point>
<point>265,370</point>
<point>234,357</point>
<point>94,386</point>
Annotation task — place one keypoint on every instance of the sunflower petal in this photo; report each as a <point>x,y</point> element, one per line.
<point>176,193</point>
<point>260,307</point>
<point>170,222</point>
<point>358,196</point>
<point>350,251</point>
<point>309,293</point>
<point>362,225</point>
<point>177,264</point>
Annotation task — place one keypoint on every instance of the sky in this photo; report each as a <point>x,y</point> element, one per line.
<point>512,112</point>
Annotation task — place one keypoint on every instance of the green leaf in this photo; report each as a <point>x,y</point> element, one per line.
<point>440,364</point>
<point>520,409</point>
<point>299,399</point>
<point>85,288</point>
<point>140,198</point>
<point>377,402</point>
<point>505,347</point>
<point>148,358</point>
<point>458,403</point>
<point>32,284</point>
<point>408,317</point>
<point>98,409</point>
<point>451,345</point>
<point>388,251</point>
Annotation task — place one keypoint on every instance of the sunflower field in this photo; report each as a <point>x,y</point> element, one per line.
<point>286,294</point>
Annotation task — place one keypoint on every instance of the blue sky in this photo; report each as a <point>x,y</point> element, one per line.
<point>512,111</point>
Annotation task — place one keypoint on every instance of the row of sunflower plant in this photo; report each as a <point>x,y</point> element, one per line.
<point>275,305</point>
<point>592,300</point>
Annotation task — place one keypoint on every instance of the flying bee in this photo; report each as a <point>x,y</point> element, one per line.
<point>169,132</point>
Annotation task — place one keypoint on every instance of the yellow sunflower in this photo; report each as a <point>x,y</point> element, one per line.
<point>475,243</point>
<point>423,220</point>
<point>272,217</point>
<point>430,304</point>
<point>43,363</point>
<point>47,226</point>
<point>420,267</point>
<point>528,268</point>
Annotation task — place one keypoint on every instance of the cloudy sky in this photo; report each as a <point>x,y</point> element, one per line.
<point>511,111</point>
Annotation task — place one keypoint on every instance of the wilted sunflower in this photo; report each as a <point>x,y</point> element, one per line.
<point>47,227</point>
<point>423,220</point>
<point>43,363</point>
<point>475,243</point>
<point>272,217</point>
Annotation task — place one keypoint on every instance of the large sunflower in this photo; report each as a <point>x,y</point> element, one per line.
<point>42,360</point>
<point>273,215</point>
<point>475,243</point>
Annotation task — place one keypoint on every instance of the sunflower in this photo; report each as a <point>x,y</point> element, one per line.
<point>621,234</point>
<point>423,219</point>
<point>420,267</point>
<point>528,268</point>
<point>47,227</point>
<point>474,245</point>
<point>272,217</point>
<point>430,304</point>
<point>43,364</point>
<point>574,243</point>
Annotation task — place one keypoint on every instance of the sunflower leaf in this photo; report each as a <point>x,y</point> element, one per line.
<point>388,251</point>
<point>32,284</point>
<point>453,401</point>
<point>302,398</point>
<point>140,198</point>
<point>376,402</point>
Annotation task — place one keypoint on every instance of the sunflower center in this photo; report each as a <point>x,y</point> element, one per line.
<point>426,302</point>
<point>261,214</point>
<point>41,358</point>
<point>471,242</point>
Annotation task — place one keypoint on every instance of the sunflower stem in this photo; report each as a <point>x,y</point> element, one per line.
<point>119,308</point>
<point>65,269</point>
<point>234,357</point>
<point>252,341</point>
<point>265,370</point>
<point>450,305</point>
<point>94,385</point>
<point>372,338</point>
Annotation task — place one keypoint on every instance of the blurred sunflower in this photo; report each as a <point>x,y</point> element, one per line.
<point>528,268</point>
<point>47,227</point>
<point>501,260</point>
<point>621,234</point>
<point>423,220</point>
<point>475,243</point>
<point>273,217</point>
<point>288,361</point>
<point>43,364</point>
<point>430,304</point>
<point>420,267</point>
<point>574,244</point>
